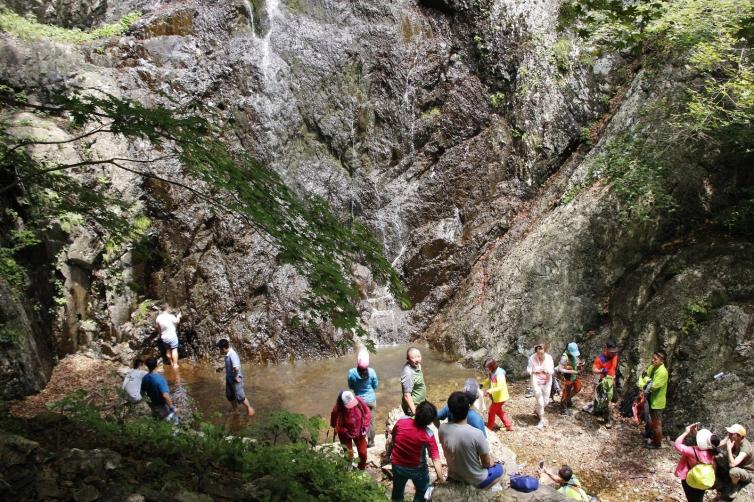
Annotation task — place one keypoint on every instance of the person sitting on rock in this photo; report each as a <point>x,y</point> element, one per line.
<point>497,389</point>
<point>466,449</point>
<point>410,441</point>
<point>156,387</point>
<point>568,484</point>
<point>474,419</point>
<point>734,464</point>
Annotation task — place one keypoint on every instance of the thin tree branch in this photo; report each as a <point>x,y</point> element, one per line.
<point>35,142</point>
<point>65,167</point>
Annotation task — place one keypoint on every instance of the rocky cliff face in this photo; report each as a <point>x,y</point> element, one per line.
<point>451,127</point>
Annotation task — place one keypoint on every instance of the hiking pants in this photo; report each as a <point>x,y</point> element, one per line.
<point>655,427</point>
<point>361,448</point>
<point>542,394</point>
<point>370,433</point>
<point>401,475</point>
<point>570,389</point>
<point>692,494</point>
<point>496,410</point>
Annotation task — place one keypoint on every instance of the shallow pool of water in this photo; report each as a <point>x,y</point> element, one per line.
<point>311,387</point>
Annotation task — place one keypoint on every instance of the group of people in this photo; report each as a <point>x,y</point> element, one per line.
<point>726,465</point>
<point>138,382</point>
<point>463,437</point>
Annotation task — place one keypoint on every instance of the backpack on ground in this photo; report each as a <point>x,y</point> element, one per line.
<point>524,484</point>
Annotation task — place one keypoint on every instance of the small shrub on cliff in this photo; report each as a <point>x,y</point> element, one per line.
<point>27,27</point>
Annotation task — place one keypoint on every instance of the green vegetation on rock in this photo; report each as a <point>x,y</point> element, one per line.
<point>29,28</point>
<point>305,231</point>
<point>702,121</point>
<point>276,460</point>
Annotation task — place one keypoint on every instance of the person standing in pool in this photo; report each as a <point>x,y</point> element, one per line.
<point>234,378</point>
<point>166,326</point>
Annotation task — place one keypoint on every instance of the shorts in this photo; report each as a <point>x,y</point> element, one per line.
<point>170,342</point>
<point>493,474</point>
<point>234,391</point>
<point>160,411</point>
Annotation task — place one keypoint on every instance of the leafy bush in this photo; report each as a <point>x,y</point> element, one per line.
<point>29,28</point>
<point>293,471</point>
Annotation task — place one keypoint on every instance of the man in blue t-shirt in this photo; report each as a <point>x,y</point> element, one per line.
<point>156,387</point>
<point>473,418</point>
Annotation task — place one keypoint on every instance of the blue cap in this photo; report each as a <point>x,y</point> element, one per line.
<point>573,349</point>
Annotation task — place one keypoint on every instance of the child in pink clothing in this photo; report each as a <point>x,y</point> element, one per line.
<point>703,453</point>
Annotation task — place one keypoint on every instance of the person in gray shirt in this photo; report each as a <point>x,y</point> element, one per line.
<point>466,449</point>
<point>234,378</point>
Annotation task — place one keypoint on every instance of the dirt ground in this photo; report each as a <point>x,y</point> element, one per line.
<point>611,463</point>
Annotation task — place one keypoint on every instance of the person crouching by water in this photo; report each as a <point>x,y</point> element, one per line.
<point>702,453</point>
<point>497,389</point>
<point>411,438</point>
<point>362,380</point>
<point>351,417</point>
<point>132,382</point>
<point>541,369</point>
<point>156,388</point>
<point>234,378</point>
<point>467,450</point>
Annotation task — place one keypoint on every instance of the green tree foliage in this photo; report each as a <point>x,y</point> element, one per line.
<point>305,231</point>
<point>705,116</point>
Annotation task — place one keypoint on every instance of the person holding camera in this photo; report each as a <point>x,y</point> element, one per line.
<point>700,454</point>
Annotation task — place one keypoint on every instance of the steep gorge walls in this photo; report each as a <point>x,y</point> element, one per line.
<point>434,126</point>
<point>646,240</point>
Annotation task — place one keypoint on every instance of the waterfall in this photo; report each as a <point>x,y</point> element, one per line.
<point>249,14</point>
<point>273,13</point>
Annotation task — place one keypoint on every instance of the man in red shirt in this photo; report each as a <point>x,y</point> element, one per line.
<point>605,367</point>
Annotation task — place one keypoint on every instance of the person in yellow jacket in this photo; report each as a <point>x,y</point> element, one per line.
<point>497,389</point>
<point>658,374</point>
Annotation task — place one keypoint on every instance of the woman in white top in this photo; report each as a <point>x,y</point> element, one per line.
<point>541,369</point>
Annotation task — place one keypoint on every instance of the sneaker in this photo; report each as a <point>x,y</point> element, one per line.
<point>529,392</point>
<point>651,446</point>
<point>541,424</point>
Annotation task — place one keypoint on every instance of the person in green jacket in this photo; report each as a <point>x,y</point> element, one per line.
<point>658,374</point>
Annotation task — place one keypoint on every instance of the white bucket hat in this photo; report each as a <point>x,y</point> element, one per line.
<point>703,437</point>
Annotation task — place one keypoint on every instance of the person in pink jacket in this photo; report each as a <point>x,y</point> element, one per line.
<point>703,453</point>
<point>350,417</point>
